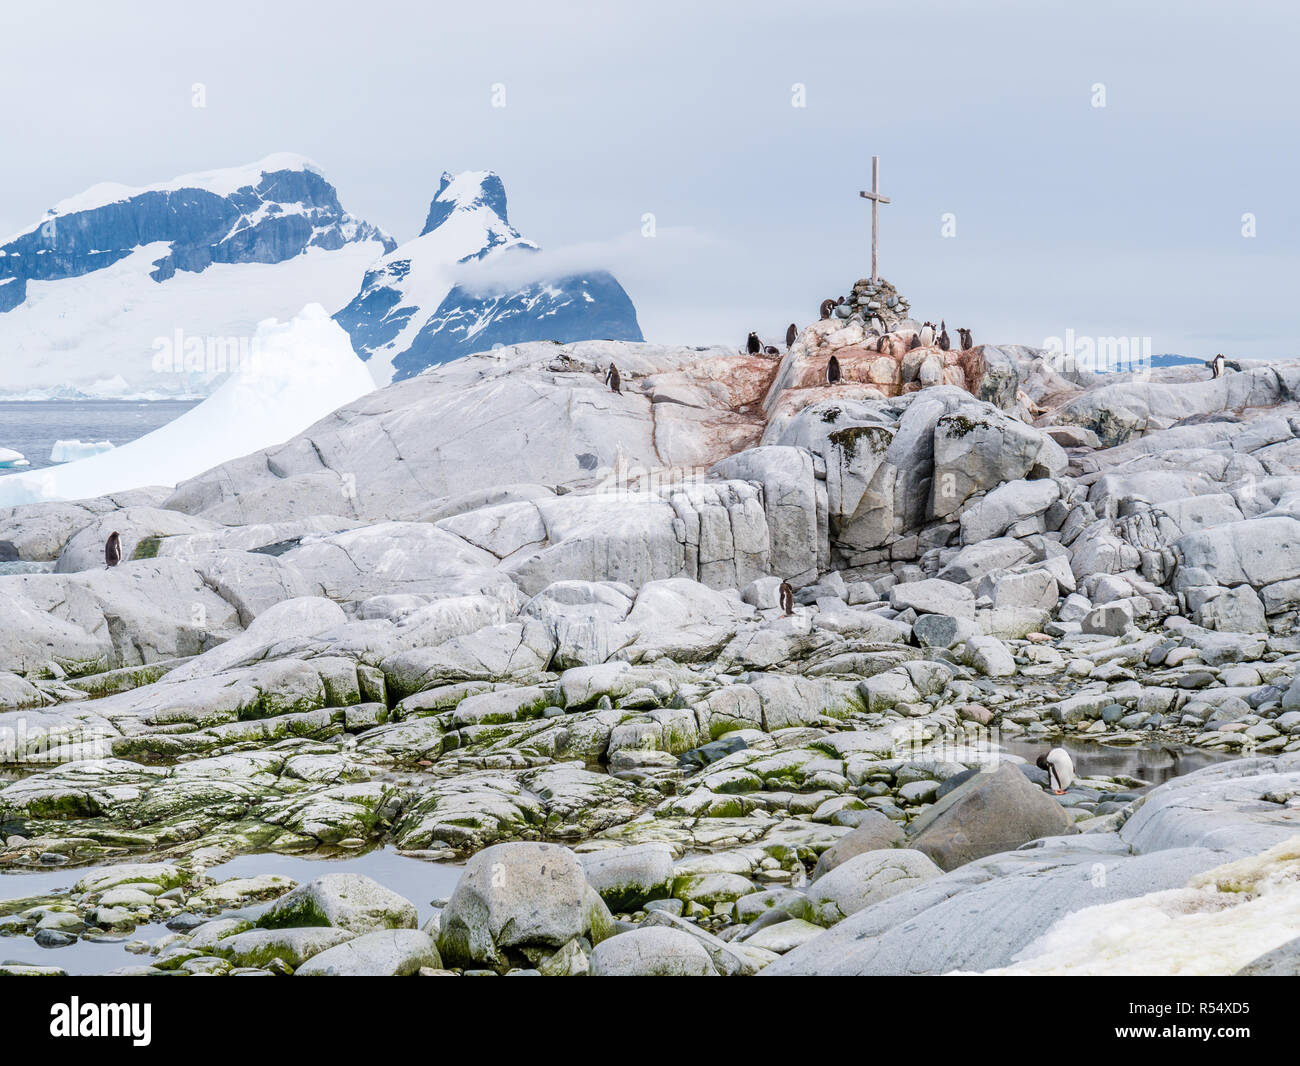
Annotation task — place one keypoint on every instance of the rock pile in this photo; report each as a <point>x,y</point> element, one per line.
<point>500,614</point>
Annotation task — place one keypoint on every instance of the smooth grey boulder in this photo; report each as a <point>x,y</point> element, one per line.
<point>1110,619</point>
<point>386,953</point>
<point>1257,552</point>
<point>873,833</point>
<point>993,811</point>
<point>933,596</point>
<point>353,902</point>
<point>789,505</point>
<point>627,878</point>
<point>865,879</point>
<point>651,952</point>
<point>518,894</point>
<point>1238,610</point>
<point>258,947</point>
<point>974,561</point>
<point>979,916</point>
<point>989,656</point>
<point>1005,506</point>
<point>1232,806</point>
<point>944,630</point>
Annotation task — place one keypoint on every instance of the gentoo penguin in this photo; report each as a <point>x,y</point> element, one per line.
<point>927,334</point>
<point>754,344</point>
<point>787,594</point>
<point>1216,366</point>
<point>882,343</point>
<point>840,301</point>
<point>826,308</point>
<point>771,349</point>
<point>613,379</point>
<point>1059,767</point>
<point>915,342</point>
<point>944,342</point>
<point>790,335</point>
<point>113,549</point>
<point>832,371</point>
<point>963,336</point>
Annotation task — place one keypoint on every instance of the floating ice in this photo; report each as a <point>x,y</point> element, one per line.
<point>65,451</point>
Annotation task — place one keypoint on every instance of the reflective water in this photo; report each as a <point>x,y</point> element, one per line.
<point>420,882</point>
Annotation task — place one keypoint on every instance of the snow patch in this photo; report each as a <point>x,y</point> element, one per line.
<point>1224,919</point>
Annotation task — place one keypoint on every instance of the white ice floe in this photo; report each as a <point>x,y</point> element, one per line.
<point>10,458</point>
<point>302,370</point>
<point>66,451</point>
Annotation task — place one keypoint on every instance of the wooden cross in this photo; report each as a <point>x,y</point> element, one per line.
<point>876,200</point>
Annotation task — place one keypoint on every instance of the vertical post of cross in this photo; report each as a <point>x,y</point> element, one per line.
<point>876,200</point>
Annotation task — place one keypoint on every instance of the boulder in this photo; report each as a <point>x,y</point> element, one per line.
<point>651,952</point>
<point>993,811</point>
<point>1006,506</point>
<point>628,878</point>
<point>353,902</point>
<point>1111,619</point>
<point>933,596</point>
<point>386,953</point>
<point>515,895</point>
<point>865,879</point>
<point>989,656</point>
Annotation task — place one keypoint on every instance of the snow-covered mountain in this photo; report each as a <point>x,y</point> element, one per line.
<point>416,309</point>
<point>156,290</point>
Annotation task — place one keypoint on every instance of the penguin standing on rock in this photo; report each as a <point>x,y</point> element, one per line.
<point>1059,767</point>
<point>113,550</point>
<point>786,593</point>
<point>832,371</point>
<point>927,334</point>
<point>944,343</point>
<point>613,379</point>
<point>790,335</point>
<point>1216,366</point>
<point>826,308</point>
<point>963,336</point>
<point>915,342</point>
<point>754,345</point>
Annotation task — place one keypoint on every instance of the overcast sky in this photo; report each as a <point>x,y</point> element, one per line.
<point>1122,220</point>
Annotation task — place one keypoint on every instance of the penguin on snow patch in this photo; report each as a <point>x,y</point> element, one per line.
<point>790,335</point>
<point>754,345</point>
<point>787,595</point>
<point>832,371</point>
<point>1059,767</point>
<point>113,549</point>
<point>613,379</point>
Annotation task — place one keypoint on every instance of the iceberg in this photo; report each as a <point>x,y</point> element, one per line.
<point>301,370</point>
<point>65,451</point>
<point>9,457</point>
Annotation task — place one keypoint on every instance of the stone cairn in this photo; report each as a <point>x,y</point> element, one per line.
<point>871,335</point>
<point>876,298</point>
